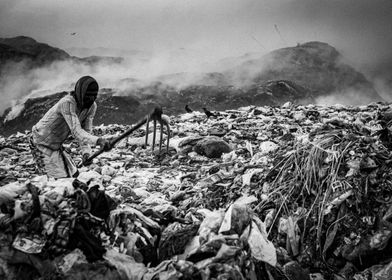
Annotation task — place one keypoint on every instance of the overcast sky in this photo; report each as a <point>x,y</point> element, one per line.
<point>361,29</point>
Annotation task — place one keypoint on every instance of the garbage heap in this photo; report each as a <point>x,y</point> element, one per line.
<point>291,192</point>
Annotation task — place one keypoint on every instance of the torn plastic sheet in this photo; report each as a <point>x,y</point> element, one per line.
<point>261,248</point>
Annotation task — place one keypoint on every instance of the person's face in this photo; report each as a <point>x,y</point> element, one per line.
<point>89,98</point>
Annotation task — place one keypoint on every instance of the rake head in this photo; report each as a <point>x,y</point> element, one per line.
<point>157,117</point>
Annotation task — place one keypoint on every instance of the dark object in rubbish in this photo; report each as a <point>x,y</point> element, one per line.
<point>34,221</point>
<point>208,113</point>
<point>212,147</point>
<point>79,185</point>
<point>174,238</point>
<point>148,252</point>
<point>81,201</point>
<point>188,109</point>
<point>82,238</point>
<point>257,112</point>
<point>101,203</point>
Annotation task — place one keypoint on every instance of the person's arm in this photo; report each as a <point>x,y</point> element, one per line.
<point>87,125</point>
<point>88,122</point>
<point>68,110</point>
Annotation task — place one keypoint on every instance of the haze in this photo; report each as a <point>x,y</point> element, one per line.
<point>184,35</point>
<point>361,28</point>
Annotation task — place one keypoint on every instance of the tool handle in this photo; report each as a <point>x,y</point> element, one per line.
<point>114,142</point>
<point>156,114</point>
<point>128,132</point>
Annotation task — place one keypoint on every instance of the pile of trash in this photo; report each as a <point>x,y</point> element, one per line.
<point>291,192</point>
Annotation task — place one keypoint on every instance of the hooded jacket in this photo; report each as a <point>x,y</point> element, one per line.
<point>67,117</point>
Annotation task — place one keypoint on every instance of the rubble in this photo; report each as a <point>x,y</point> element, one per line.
<point>291,192</point>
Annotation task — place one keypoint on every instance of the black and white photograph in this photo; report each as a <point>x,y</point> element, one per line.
<point>196,139</point>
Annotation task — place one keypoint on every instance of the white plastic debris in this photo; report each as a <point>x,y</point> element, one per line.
<point>268,147</point>
<point>261,248</point>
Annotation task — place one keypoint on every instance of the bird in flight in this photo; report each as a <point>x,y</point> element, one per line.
<point>73,33</point>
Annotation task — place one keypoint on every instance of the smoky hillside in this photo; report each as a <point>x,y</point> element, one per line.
<point>34,75</point>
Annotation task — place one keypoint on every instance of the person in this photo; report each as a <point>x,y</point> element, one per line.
<point>72,114</point>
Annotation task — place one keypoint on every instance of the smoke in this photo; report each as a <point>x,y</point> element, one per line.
<point>18,83</point>
<point>201,32</point>
<point>349,97</point>
<point>384,88</point>
<point>178,69</point>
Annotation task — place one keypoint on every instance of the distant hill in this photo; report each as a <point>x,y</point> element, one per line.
<point>26,48</point>
<point>36,54</point>
<point>301,74</point>
<point>314,65</point>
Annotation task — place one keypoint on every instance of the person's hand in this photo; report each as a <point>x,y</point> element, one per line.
<point>104,144</point>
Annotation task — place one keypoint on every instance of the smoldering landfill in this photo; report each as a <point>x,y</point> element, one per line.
<point>291,192</point>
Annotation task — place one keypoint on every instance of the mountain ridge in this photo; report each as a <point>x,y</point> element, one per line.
<point>301,74</point>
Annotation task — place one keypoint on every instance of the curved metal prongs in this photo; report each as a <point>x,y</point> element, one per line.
<point>154,134</point>
<point>147,128</point>
<point>165,121</point>
<point>161,135</point>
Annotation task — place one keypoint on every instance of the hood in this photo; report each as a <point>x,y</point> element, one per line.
<point>81,87</point>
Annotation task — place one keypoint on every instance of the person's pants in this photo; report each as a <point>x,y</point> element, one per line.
<point>54,163</point>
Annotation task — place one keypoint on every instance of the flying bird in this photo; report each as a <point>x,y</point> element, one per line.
<point>73,33</point>
<point>208,113</point>
<point>188,109</point>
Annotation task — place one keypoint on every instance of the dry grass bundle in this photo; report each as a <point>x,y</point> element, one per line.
<point>307,177</point>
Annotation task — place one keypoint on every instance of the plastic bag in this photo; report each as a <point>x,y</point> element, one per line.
<point>211,223</point>
<point>261,248</point>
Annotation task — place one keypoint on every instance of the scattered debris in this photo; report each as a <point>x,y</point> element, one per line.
<point>291,192</point>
